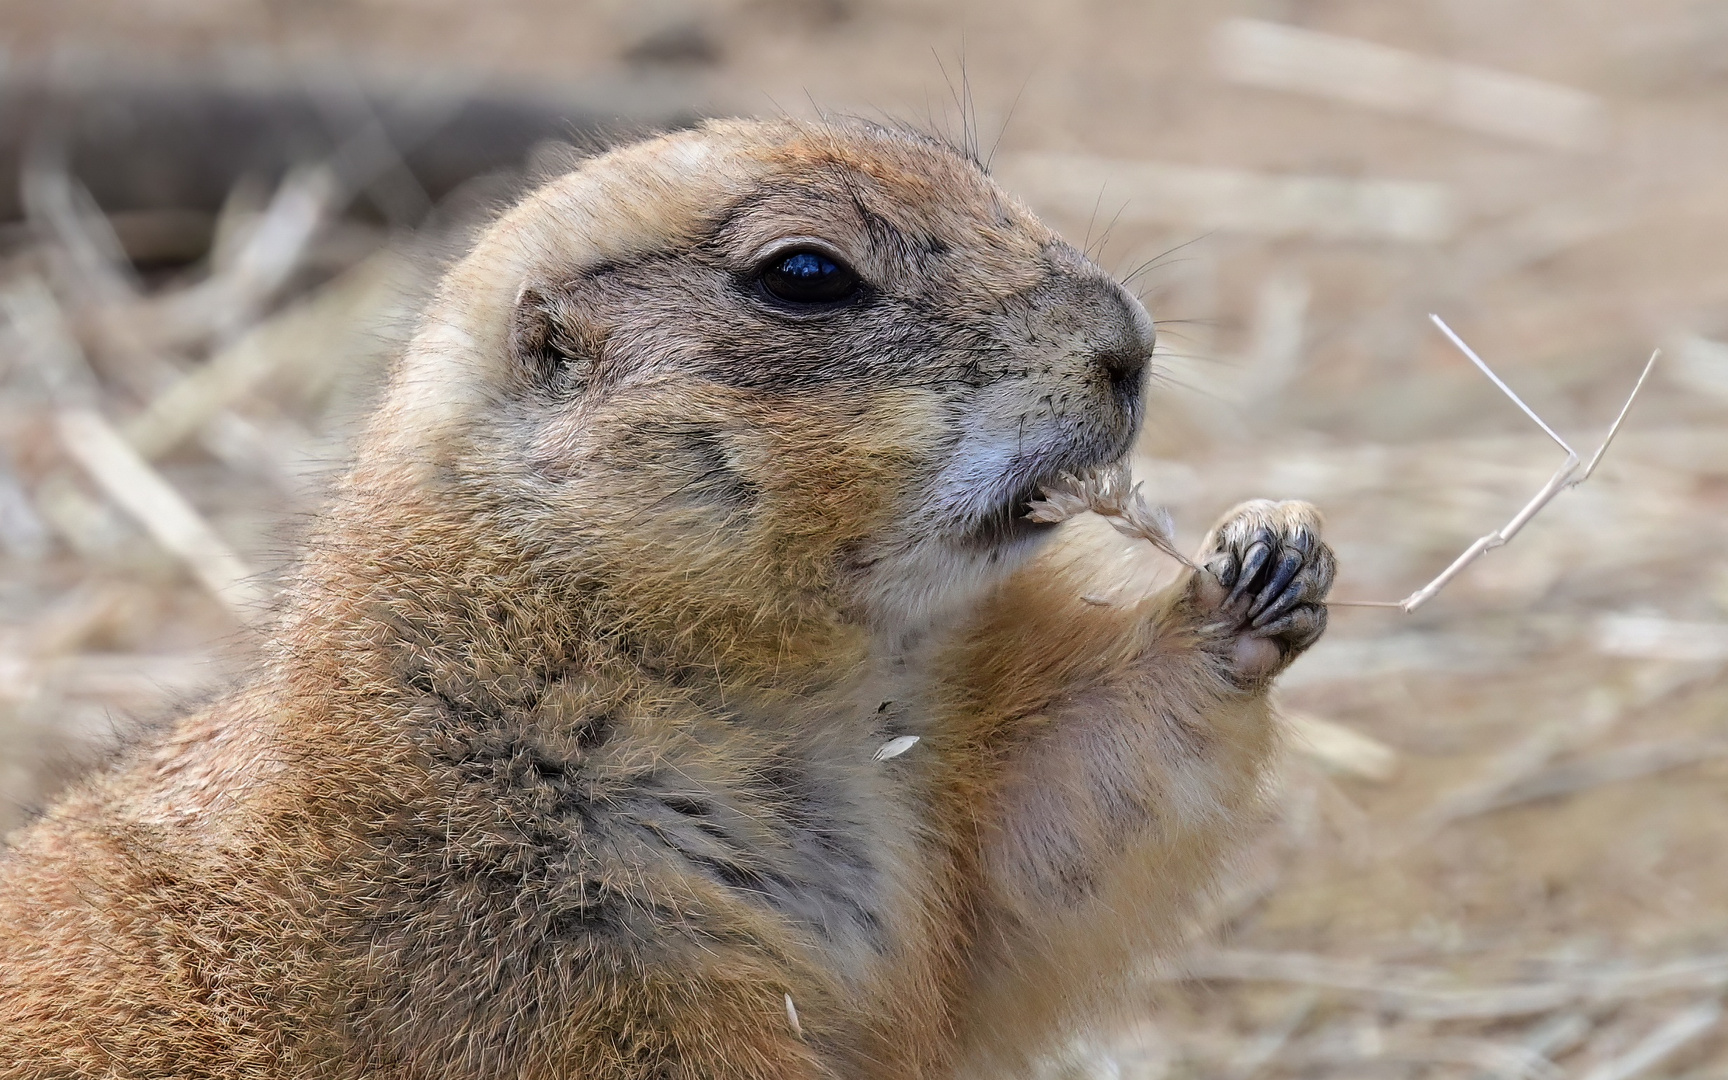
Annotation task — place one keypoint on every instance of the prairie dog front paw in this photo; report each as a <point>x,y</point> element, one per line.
<point>1265,581</point>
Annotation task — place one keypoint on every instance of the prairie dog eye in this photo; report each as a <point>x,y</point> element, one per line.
<point>805,276</point>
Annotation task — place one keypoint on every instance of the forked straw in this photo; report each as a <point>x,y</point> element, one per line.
<point>1563,478</point>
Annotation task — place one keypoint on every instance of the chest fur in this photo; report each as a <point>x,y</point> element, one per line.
<point>594,819</point>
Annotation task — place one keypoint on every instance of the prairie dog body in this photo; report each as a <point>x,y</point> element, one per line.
<point>704,477</point>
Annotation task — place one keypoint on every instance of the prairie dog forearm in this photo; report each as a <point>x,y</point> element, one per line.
<point>1125,783</point>
<point>1142,755</point>
<point>1116,819</point>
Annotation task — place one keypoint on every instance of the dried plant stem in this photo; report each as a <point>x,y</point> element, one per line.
<point>1110,494</point>
<point>302,337</point>
<point>1426,994</point>
<point>1566,476</point>
<point>129,480</point>
<point>1679,1030</point>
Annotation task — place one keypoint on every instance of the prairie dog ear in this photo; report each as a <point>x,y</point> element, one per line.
<point>551,342</point>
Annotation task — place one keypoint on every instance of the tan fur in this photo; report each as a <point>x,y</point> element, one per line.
<point>561,764</point>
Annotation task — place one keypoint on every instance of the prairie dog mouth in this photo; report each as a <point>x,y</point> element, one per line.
<point>1008,520</point>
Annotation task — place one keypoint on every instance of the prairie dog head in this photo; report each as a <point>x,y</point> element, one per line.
<point>768,368</point>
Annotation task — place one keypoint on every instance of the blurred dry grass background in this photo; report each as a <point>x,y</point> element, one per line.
<point>1500,850</point>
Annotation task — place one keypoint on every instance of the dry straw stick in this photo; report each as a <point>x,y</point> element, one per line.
<point>1566,476</point>
<point>1678,1031</point>
<point>1108,493</point>
<point>130,481</point>
<point>312,335</point>
<point>1339,749</point>
<point>1235,200</point>
<point>1289,58</point>
<point>1430,994</point>
<point>262,264</point>
<point>1620,764</point>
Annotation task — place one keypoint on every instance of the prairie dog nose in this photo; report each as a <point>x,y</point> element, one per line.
<point>1117,332</point>
<point>1125,341</point>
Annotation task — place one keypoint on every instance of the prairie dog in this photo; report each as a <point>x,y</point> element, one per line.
<point>704,478</point>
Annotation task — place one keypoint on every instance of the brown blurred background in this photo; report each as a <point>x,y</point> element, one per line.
<point>1499,848</point>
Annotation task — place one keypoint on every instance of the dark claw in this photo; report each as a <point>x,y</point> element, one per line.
<point>1286,600</point>
<point>1288,564</point>
<point>1253,560</point>
<point>1297,629</point>
<point>1223,567</point>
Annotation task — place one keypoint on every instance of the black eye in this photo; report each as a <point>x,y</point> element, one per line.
<point>808,277</point>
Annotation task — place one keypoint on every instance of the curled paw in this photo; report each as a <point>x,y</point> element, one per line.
<point>1263,588</point>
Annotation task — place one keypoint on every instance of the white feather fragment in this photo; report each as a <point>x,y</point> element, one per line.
<point>792,1017</point>
<point>894,747</point>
